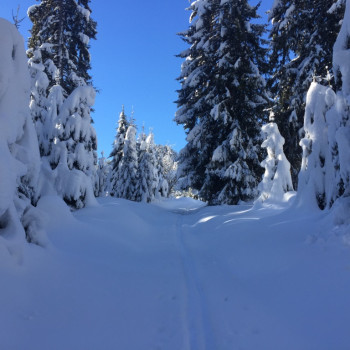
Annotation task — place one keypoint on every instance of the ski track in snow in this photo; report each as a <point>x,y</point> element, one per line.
<point>198,330</point>
<point>171,276</point>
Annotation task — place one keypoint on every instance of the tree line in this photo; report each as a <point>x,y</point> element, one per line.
<point>237,76</point>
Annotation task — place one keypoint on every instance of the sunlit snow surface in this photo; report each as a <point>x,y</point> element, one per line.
<point>179,275</point>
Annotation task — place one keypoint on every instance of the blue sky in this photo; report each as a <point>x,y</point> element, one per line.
<point>134,63</point>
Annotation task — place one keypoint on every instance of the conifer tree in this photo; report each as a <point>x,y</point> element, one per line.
<point>277,178</point>
<point>222,100</point>
<point>103,174</point>
<point>117,151</point>
<point>61,31</point>
<point>60,37</point>
<point>39,103</point>
<point>126,181</point>
<point>302,38</point>
<point>325,173</point>
<point>313,188</point>
<point>193,104</point>
<point>147,170</point>
<point>166,160</point>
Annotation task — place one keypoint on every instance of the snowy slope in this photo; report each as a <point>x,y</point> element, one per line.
<point>178,275</point>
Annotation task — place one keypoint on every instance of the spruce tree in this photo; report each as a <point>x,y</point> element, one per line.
<point>193,104</point>
<point>166,160</point>
<point>126,181</point>
<point>147,177</point>
<point>60,36</point>
<point>338,118</point>
<point>224,93</point>
<point>103,174</point>
<point>61,31</point>
<point>117,151</point>
<point>302,37</point>
<point>39,102</point>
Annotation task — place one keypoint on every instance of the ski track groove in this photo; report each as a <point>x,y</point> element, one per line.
<point>198,332</point>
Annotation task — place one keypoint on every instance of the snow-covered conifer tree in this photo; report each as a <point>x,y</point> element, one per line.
<point>302,38</point>
<point>19,150</point>
<point>166,159</point>
<point>60,38</point>
<point>313,189</point>
<point>103,174</point>
<point>39,94</point>
<point>147,170</point>
<point>61,31</point>
<point>117,151</point>
<point>193,102</point>
<point>338,117</point>
<point>238,102</point>
<point>277,177</point>
<point>325,173</point>
<point>77,143</point>
<point>126,181</point>
<point>221,101</point>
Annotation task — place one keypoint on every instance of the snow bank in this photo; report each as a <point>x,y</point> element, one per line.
<point>180,204</point>
<point>224,277</point>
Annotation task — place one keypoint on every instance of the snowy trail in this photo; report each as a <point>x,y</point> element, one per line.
<point>178,276</point>
<point>198,330</point>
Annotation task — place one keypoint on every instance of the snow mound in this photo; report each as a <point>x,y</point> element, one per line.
<point>180,204</point>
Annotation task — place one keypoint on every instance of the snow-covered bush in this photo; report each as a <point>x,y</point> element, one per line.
<point>19,150</point>
<point>277,177</point>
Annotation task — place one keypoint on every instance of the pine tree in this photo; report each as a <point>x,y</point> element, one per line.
<point>60,37</point>
<point>302,38</point>
<point>117,151</point>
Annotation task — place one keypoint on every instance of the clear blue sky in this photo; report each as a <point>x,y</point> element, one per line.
<point>134,63</point>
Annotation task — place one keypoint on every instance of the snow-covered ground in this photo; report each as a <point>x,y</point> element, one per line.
<point>178,275</point>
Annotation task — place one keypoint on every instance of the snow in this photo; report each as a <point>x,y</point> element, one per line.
<point>85,12</point>
<point>19,151</point>
<point>277,177</point>
<point>341,53</point>
<point>178,275</point>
